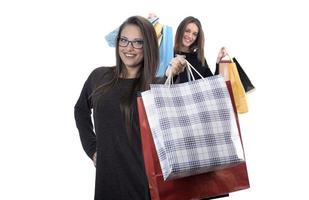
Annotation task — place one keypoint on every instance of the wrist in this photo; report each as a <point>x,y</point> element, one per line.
<point>168,70</point>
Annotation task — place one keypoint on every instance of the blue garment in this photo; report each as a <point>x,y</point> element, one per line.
<point>111,37</point>
<point>166,50</point>
<point>166,45</point>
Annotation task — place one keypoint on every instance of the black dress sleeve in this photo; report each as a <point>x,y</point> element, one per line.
<point>217,69</point>
<point>207,71</point>
<point>82,114</point>
<point>161,79</point>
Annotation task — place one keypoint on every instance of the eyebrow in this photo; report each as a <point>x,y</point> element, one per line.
<point>189,30</point>
<point>135,39</point>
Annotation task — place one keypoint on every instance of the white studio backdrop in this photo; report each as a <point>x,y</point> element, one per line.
<point>48,49</point>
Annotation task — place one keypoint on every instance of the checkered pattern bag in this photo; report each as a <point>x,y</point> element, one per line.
<point>193,126</point>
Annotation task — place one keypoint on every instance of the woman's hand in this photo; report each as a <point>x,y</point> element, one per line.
<point>94,159</point>
<point>222,53</point>
<point>151,15</point>
<point>176,66</point>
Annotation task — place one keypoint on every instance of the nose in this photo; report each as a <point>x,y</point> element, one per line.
<point>191,35</point>
<point>130,45</point>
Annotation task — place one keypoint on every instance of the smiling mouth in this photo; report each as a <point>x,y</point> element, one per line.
<point>187,40</point>
<point>129,55</point>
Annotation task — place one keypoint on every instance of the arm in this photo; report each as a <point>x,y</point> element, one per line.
<point>222,53</point>
<point>176,66</point>
<point>217,69</point>
<point>207,70</point>
<point>82,113</point>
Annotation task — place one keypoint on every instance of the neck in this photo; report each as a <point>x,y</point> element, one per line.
<point>185,49</point>
<point>131,72</point>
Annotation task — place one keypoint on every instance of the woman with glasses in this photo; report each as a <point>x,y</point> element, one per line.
<point>110,92</point>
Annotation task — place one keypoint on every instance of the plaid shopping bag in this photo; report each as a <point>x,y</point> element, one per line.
<point>193,127</point>
<point>211,184</point>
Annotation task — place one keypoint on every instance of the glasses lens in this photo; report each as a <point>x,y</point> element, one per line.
<point>138,44</point>
<point>123,42</point>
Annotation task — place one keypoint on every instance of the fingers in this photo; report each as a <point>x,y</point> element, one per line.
<point>176,66</point>
<point>151,15</point>
<point>222,53</point>
<point>180,59</point>
<point>172,70</point>
<point>181,66</point>
<point>182,56</point>
<point>94,159</point>
<point>168,71</point>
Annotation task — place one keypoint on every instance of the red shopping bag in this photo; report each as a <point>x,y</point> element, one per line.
<point>210,184</point>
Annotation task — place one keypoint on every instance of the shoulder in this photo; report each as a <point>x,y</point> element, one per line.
<point>100,72</point>
<point>100,75</point>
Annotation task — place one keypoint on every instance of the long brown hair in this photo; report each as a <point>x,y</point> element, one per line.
<point>147,71</point>
<point>150,50</point>
<point>198,44</point>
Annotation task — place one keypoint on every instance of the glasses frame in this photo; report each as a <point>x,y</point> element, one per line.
<point>133,43</point>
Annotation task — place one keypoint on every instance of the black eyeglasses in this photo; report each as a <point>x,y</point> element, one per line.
<point>136,44</point>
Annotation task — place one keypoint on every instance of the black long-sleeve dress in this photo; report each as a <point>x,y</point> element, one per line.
<point>120,173</point>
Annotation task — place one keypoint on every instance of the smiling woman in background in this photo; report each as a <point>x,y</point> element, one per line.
<point>189,44</point>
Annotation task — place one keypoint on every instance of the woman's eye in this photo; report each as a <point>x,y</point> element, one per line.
<point>123,40</point>
<point>139,42</point>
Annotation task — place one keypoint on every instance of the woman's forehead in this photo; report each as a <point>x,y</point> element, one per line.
<point>131,31</point>
<point>192,26</point>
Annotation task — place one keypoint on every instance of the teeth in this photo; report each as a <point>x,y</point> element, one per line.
<point>187,40</point>
<point>129,55</point>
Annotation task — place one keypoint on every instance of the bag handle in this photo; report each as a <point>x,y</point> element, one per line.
<point>230,60</point>
<point>189,67</point>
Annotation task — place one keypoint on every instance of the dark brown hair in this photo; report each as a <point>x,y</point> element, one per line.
<point>147,71</point>
<point>150,51</point>
<point>198,44</point>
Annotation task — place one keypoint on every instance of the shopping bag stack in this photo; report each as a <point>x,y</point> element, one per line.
<point>231,70</point>
<point>193,127</point>
<point>211,184</point>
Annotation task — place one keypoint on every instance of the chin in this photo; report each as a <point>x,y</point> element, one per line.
<point>186,46</point>
<point>132,65</point>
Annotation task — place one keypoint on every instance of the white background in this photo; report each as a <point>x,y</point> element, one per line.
<point>48,48</point>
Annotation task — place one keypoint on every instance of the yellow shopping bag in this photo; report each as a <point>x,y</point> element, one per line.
<point>228,69</point>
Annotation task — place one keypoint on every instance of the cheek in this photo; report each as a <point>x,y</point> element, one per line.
<point>140,58</point>
<point>120,53</point>
<point>141,54</point>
